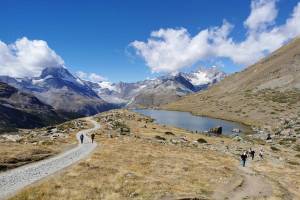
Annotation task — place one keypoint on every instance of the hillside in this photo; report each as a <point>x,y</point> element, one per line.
<point>141,159</point>
<point>21,110</point>
<point>265,93</point>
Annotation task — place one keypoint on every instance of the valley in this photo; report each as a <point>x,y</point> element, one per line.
<point>139,159</point>
<point>70,97</point>
<point>150,100</point>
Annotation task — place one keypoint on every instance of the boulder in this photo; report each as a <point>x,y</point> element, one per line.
<point>216,130</point>
<point>236,130</point>
<point>238,138</point>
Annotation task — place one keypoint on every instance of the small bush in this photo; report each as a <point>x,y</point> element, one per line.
<point>292,162</point>
<point>158,137</point>
<point>297,147</point>
<point>169,133</point>
<point>274,148</point>
<point>201,140</point>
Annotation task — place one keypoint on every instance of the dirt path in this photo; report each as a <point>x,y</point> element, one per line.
<point>247,184</point>
<point>16,179</point>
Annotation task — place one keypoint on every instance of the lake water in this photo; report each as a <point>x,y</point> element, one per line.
<point>191,122</point>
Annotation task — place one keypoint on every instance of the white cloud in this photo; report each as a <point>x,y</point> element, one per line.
<point>263,13</point>
<point>27,58</point>
<point>90,76</point>
<point>169,50</point>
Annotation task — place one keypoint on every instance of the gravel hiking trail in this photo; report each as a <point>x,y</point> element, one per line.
<point>246,184</point>
<point>16,179</point>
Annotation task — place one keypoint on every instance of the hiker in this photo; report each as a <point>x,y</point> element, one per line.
<point>252,153</point>
<point>261,154</point>
<point>244,158</point>
<point>93,137</point>
<point>81,138</point>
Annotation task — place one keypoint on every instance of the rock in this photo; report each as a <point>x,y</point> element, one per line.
<point>238,138</point>
<point>183,139</point>
<point>216,130</point>
<point>175,141</point>
<point>124,131</point>
<point>236,130</point>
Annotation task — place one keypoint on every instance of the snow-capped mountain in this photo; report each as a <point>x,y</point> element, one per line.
<point>68,94</point>
<point>204,77</point>
<point>159,90</point>
<point>57,87</point>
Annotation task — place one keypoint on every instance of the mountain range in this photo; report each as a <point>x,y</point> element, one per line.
<point>68,96</point>
<point>157,91</point>
<point>23,110</point>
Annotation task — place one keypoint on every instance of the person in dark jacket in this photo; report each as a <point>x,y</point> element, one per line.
<point>244,158</point>
<point>81,138</point>
<point>93,137</point>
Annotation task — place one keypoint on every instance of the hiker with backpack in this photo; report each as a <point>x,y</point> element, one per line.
<point>252,153</point>
<point>244,158</point>
<point>81,138</point>
<point>93,137</point>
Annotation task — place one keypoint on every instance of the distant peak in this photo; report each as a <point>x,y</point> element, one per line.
<point>56,72</point>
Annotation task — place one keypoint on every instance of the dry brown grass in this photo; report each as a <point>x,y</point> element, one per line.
<point>139,167</point>
<point>142,166</point>
<point>134,169</point>
<point>34,147</point>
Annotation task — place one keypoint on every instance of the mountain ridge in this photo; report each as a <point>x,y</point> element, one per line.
<point>22,110</point>
<point>142,93</point>
<point>66,93</point>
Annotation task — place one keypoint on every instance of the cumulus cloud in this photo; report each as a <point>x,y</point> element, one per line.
<point>263,13</point>
<point>169,50</point>
<point>27,58</point>
<point>90,76</point>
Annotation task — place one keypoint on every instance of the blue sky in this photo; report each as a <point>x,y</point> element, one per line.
<point>95,36</point>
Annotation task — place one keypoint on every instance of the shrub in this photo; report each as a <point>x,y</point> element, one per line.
<point>273,148</point>
<point>201,140</point>
<point>158,137</point>
<point>169,133</point>
<point>297,147</point>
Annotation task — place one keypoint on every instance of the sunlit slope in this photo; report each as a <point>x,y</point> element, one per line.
<point>261,94</point>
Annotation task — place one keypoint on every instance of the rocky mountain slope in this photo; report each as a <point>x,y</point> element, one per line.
<point>155,92</point>
<point>18,109</point>
<point>57,87</point>
<point>267,93</point>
